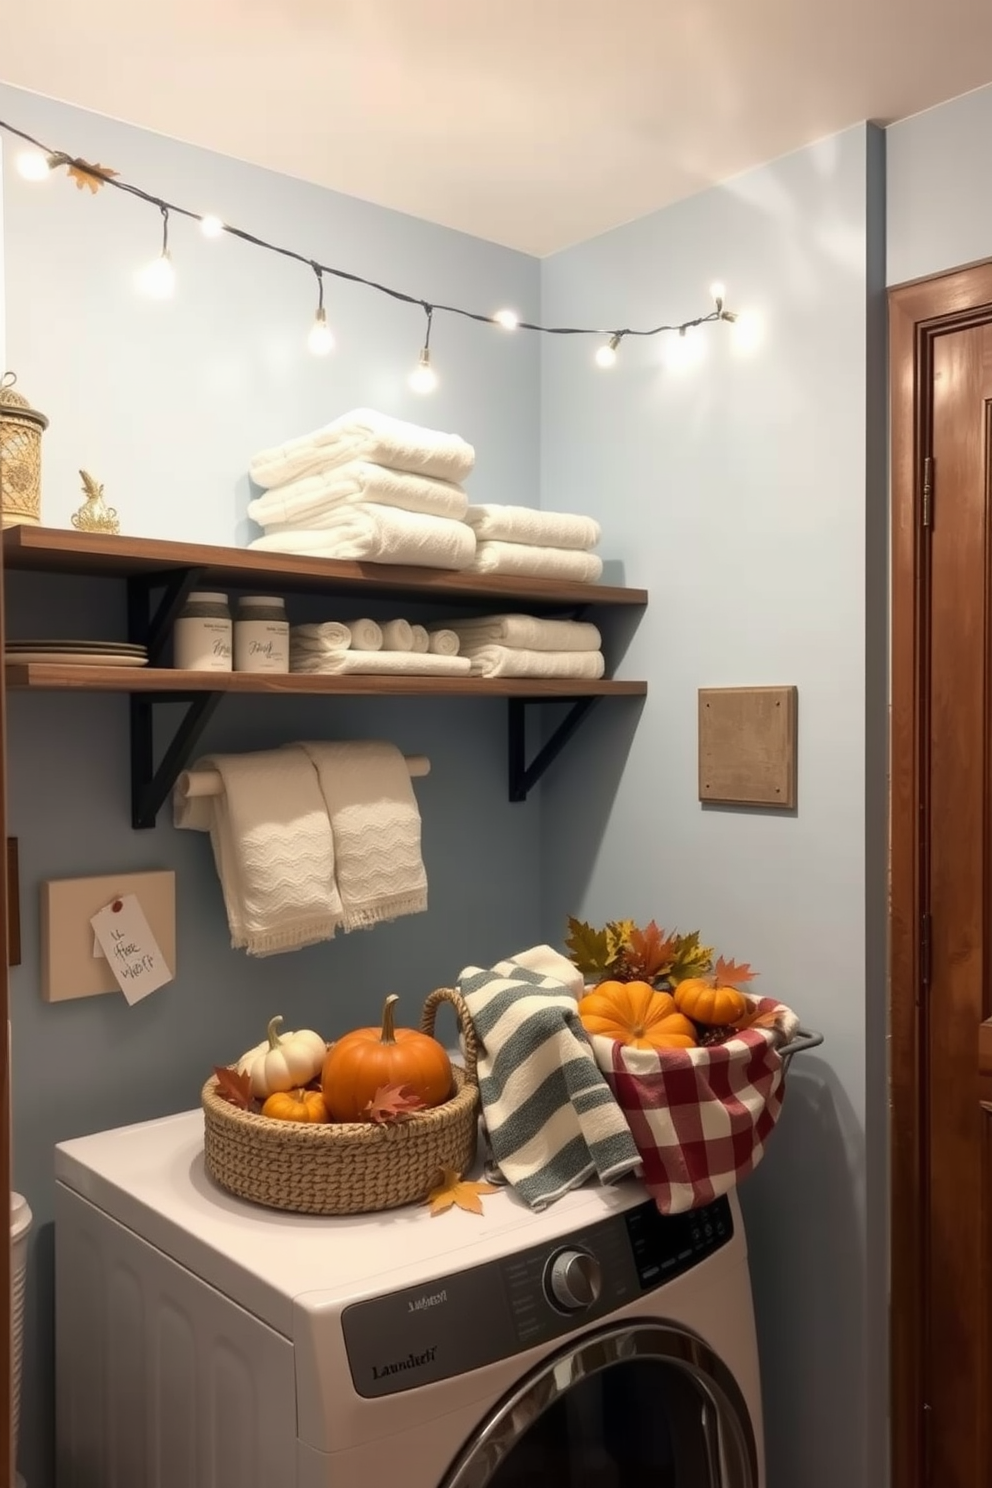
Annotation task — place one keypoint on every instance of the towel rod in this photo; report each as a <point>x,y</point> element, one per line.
<point>196,783</point>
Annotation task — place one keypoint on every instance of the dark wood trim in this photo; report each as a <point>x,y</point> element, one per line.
<point>6,1355</point>
<point>918,312</point>
<point>13,903</point>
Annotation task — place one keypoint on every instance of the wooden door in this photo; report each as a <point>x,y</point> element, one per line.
<point>941,939</point>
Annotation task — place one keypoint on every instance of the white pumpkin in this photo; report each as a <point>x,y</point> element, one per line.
<point>283,1063</point>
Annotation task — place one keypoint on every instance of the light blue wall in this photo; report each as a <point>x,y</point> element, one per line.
<point>747,495</point>
<point>939,204</point>
<point>165,403</point>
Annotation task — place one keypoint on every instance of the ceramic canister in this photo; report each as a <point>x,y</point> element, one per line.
<point>261,635</point>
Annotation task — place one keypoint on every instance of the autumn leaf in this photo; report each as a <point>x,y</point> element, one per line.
<point>755,1019</point>
<point>455,1191</point>
<point>649,953</point>
<point>234,1087</point>
<point>84,174</point>
<point>690,958</point>
<point>393,1103</point>
<point>589,949</point>
<point>732,974</point>
<point>618,933</point>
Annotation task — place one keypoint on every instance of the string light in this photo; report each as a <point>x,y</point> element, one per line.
<point>423,378</point>
<point>321,337</point>
<point>158,279</point>
<point>684,350</point>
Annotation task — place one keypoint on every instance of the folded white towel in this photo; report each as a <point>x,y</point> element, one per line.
<point>508,661</point>
<point>421,640</point>
<point>551,1117</point>
<point>444,643</point>
<point>539,563</point>
<point>331,635</point>
<point>375,824</point>
<point>272,846</point>
<point>522,524</point>
<point>397,635</point>
<point>365,434</point>
<point>379,534</point>
<point>530,632</point>
<point>378,663</point>
<point>303,502</point>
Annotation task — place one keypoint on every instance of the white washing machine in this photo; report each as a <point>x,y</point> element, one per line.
<point>206,1343</point>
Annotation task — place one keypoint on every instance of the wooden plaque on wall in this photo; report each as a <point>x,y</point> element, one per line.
<point>747,746</point>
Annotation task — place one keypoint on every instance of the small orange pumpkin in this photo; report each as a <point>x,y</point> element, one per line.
<point>704,1001</point>
<point>634,1013</point>
<point>362,1062</point>
<point>296,1105</point>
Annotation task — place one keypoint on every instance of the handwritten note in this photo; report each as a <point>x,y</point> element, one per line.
<point>132,952</point>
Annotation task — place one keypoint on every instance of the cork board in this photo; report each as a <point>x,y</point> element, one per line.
<point>747,746</point>
<point>68,967</point>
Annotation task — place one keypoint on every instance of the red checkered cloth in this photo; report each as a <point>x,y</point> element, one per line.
<point>700,1117</point>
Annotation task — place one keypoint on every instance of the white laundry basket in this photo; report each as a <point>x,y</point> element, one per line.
<point>20,1224</point>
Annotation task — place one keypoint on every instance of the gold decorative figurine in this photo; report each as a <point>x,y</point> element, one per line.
<point>94,515</point>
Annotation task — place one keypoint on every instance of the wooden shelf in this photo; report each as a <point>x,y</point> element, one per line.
<point>45,677</point>
<point>54,550</point>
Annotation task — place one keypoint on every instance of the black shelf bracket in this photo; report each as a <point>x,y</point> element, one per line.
<point>523,776</point>
<point>151,784</point>
<point>149,625</point>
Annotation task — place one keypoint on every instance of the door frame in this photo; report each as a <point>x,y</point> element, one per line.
<point>918,313</point>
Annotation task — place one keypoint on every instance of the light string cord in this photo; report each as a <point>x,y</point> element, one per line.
<point>59,158</point>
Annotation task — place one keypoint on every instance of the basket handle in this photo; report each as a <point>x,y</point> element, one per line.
<point>465,1024</point>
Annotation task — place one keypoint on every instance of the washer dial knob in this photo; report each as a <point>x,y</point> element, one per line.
<point>574,1280</point>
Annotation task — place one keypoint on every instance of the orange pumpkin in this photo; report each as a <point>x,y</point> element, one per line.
<point>296,1105</point>
<point>704,1001</point>
<point>361,1062</point>
<point>634,1013</point>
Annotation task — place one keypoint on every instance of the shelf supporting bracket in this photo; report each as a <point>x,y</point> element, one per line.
<point>523,777</point>
<point>150,786</point>
<point>151,628</point>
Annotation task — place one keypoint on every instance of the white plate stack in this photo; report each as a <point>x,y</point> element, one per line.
<point>77,653</point>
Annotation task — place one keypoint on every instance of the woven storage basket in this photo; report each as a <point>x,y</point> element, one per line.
<point>21,428</point>
<point>346,1167</point>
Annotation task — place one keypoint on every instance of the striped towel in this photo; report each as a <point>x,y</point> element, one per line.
<point>552,1119</point>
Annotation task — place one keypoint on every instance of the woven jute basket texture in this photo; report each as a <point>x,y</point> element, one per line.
<point>346,1167</point>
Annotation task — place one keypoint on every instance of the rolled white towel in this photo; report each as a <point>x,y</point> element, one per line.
<point>330,635</point>
<point>539,563</point>
<point>444,643</point>
<point>522,524</point>
<point>304,502</point>
<point>397,635</point>
<point>381,663</point>
<point>507,661</point>
<point>421,640</point>
<point>366,635</point>
<point>379,534</point>
<point>365,434</point>
<point>529,632</point>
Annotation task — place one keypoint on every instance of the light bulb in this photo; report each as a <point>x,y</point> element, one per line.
<point>718,290</point>
<point>33,165</point>
<point>423,378</point>
<point>508,319</point>
<point>606,355</point>
<point>211,227</point>
<point>321,337</point>
<point>158,279</point>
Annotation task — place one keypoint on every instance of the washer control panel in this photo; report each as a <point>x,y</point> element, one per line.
<point>471,1318</point>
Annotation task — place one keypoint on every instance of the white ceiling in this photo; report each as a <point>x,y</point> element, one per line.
<point>536,123</point>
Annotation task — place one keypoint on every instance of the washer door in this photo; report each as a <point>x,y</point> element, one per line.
<point>641,1405</point>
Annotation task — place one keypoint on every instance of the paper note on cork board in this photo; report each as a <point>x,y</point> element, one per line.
<point>69,968</point>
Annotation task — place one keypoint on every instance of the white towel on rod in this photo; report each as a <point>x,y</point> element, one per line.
<point>364,434</point>
<point>543,529</point>
<point>539,563</point>
<point>421,640</point>
<point>375,824</point>
<point>508,661</point>
<point>379,534</point>
<point>273,848</point>
<point>444,643</point>
<point>529,632</point>
<point>378,663</point>
<point>397,635</point>
<point>301,503</point>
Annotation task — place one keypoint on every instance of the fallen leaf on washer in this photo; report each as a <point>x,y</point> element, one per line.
<point>455,1191</point>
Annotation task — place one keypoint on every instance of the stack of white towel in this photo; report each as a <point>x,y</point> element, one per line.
<point>367,487</point>
<point>395,648</point>
<point>529,646</point>
<point>519,540</point>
